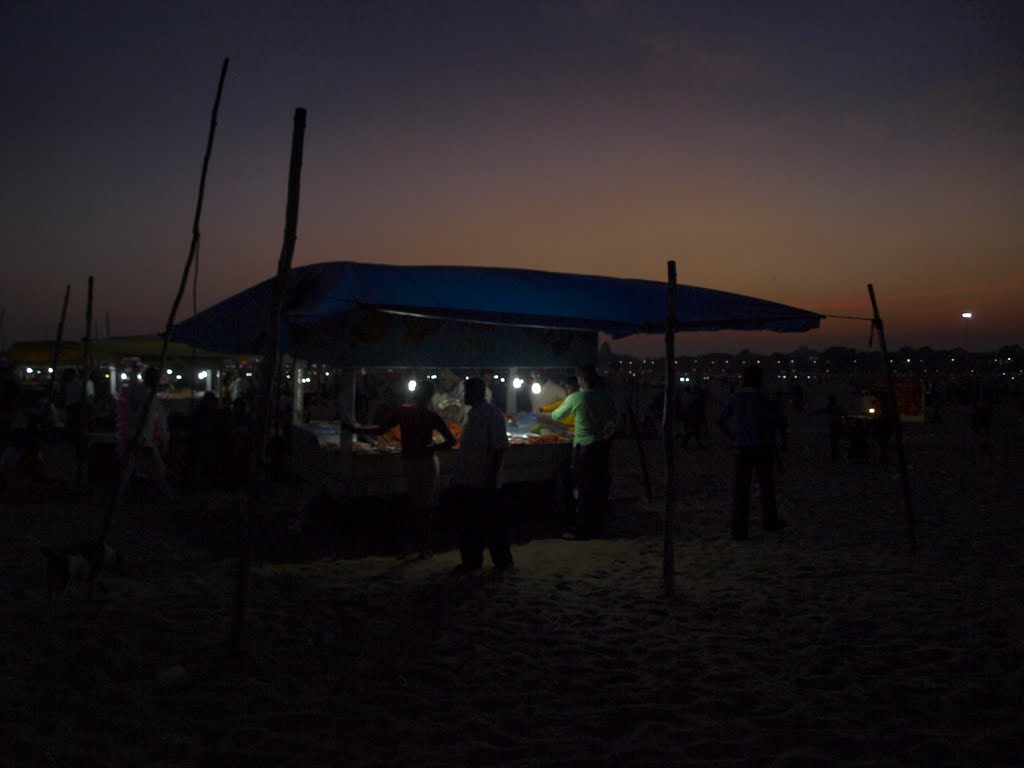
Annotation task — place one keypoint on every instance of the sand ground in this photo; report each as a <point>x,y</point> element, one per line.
<point>827,644</point>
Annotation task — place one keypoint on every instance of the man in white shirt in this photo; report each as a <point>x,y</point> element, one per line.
<point>479,517</point>
<point>154,435</point>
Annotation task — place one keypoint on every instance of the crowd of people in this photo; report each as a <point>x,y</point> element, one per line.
<point>212,444</point>
<point>107,431</point>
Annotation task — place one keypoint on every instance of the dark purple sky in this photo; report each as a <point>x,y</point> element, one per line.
<point>794,151</point>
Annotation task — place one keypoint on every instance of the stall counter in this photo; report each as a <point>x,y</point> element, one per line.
<point>317,456</point>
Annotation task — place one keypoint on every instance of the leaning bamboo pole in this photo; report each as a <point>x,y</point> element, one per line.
<point>56,346</point>
<point>82,428</point>
<point>668,566</point>
<point>129,465</point>
<point>268,386</point>
<point>892,408</point>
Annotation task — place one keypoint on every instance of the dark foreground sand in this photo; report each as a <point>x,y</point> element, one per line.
<point>827,644</point>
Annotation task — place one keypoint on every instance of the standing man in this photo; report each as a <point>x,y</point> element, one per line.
<point>594,416</point>
<point>420,465</point>
<point>154,437</point>
<point>480,520</point>
<point>749,419</point>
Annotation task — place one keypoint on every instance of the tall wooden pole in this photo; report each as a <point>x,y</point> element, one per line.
<point>129,467</point>
<point>86,406</point>
<point>87,340</point>
<point>892,408</point>
<point>668,566</point>
<point>56,346</point>
<point>268,386</point>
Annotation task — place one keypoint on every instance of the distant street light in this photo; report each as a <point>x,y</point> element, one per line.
<point>967,350</point>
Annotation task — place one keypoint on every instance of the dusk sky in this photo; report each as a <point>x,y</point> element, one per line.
<point>792,151</point>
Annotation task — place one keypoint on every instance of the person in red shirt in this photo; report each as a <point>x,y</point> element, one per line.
<point>420,466</point>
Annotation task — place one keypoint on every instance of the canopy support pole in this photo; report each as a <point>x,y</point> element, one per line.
<point>346,409</point>
<point>128,467</point>
<point>668,566</point>
<point>82,429</point>
<point>257,464</point>
<point>892,408</point>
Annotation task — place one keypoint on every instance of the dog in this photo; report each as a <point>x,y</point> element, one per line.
<point>78,565</point>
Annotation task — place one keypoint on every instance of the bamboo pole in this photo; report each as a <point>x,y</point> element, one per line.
<point>129,465</point>
<point>893,409</point>
<point>83,421</point>
<point>56,346</point>
<point>257,469</point>
<point>668,438</point>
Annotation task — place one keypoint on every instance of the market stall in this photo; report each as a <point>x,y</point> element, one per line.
<point>412,346</point>
<point>351,316</point>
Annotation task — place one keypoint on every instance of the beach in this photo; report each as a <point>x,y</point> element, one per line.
<point>829,643</point>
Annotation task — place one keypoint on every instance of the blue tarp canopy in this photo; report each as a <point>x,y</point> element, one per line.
<point>319,295</point>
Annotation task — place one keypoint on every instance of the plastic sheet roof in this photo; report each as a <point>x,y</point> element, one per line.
<point>519,297</point>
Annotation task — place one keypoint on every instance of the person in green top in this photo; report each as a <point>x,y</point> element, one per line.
<point>594,415</point>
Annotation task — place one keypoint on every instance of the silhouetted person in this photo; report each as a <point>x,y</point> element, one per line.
<point>480,518</point>
<point>241,440</point>
<point>10,402</point>
<point>834,413</point>
<point>748,418</point>
<point>154,437</point>
<point>594,415</point>
<point>781,422</point>
<point>420,466</point>
<point>207,439</point>
<point>566,483</point>
<point>74,403</point>
<point>690,412</point>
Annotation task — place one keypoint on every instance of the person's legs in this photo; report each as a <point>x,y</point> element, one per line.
<point>602,487</point>
<point>590,491</point>
<point>744,466</point>
<point>764,464</point>
<point>578,481</point>
<point>470,536</point>
<point>151,462</point>
<point>496,531</point>
<point>421,475</point>
<point>567,494</point>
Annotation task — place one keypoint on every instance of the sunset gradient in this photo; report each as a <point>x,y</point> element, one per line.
<point>792,151</point>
